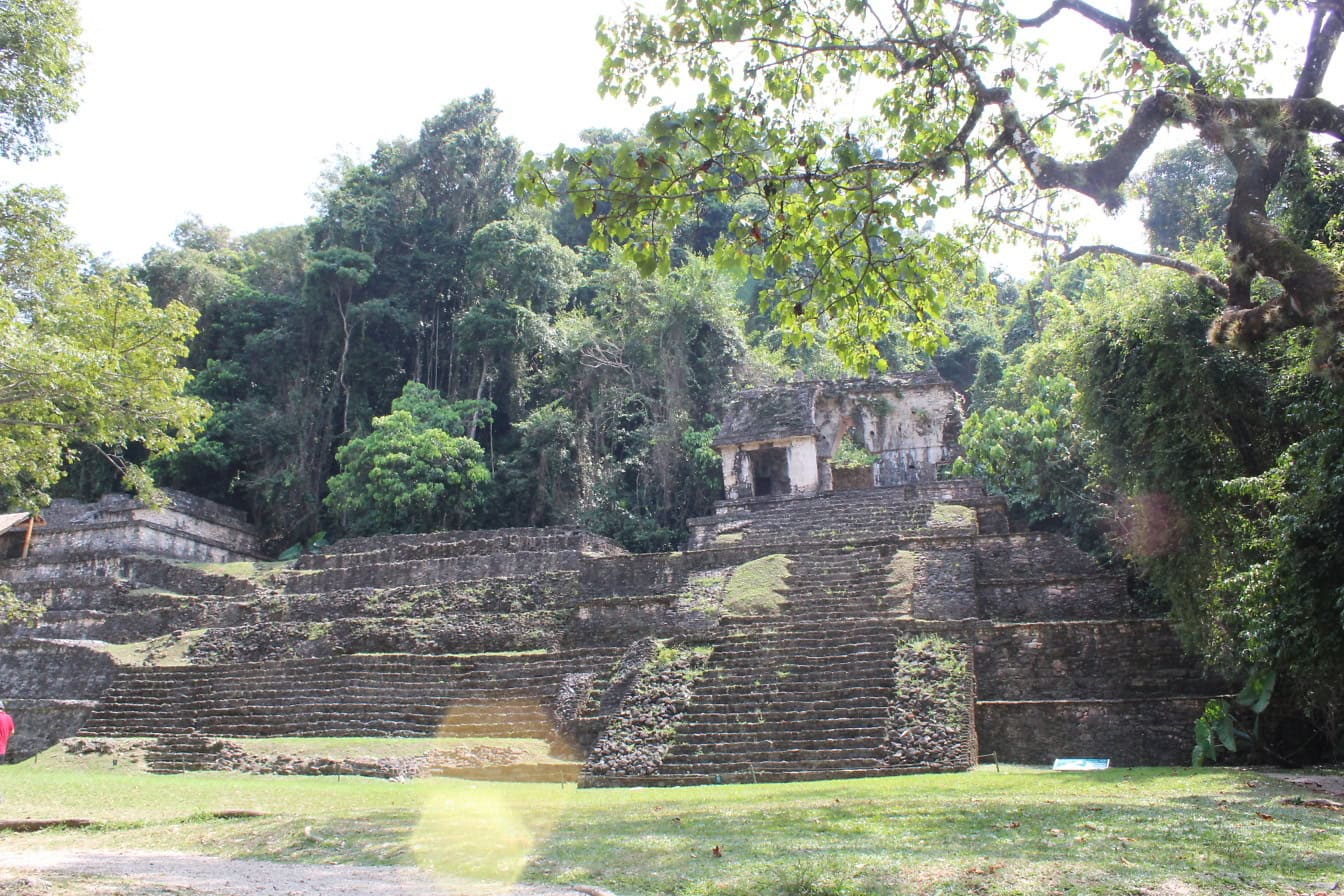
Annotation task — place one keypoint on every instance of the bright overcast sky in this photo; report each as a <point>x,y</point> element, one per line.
<point>229,110</point>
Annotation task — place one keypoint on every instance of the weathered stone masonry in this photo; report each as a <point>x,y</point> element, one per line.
<point>905,628</point>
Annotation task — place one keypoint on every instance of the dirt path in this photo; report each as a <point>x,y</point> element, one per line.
<point>81,872</point>
<point>1329,784</point>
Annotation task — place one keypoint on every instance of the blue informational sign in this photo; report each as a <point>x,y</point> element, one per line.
<point>1081,765</point>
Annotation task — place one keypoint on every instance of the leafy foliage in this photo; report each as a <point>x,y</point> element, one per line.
<point>42,63</point>
<point>414,472</point>
<point>85,357</point>
<point>1214,474</point>
<point>856,127</point>
<point>1216,727</point>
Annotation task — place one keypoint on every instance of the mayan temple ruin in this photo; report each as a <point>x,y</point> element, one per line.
<point>823,622</point>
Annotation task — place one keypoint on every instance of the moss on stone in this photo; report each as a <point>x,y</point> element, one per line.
<point>932,693</point>
<point>252,571</point>
<point>951,516</point>
<point>704,591</point>
<point>756,588</point>
<point>166,650</point>
<point>636,741</point>
<point>901,580</point>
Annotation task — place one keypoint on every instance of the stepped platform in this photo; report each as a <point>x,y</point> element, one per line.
<point>909,631</point>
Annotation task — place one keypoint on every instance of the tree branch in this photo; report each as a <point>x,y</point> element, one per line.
<point>1203,277</point>
<point>1113,24</point>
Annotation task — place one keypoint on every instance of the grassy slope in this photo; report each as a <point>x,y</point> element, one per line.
<point>1020,832</point>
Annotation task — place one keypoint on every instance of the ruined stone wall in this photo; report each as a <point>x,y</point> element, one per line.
<point>1115,659</point>
<point>628,619</point>
<point>655,574</point>
<point>1055,598</point>
<point>432,569</point>
<point>1061,664</point>
<point>189,528</point>
<point>1128,732</point>
<point>50,689</point>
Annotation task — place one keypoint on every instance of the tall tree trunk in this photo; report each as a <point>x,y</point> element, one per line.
<point>480,391</point>
<point>340,366</point>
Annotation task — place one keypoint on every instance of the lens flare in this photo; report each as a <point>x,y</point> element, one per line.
<point>481,836</point>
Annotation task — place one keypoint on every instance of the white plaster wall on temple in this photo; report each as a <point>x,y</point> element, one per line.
<point>728,457</point>
<point>803,466</point>
<point>831,419</point>
<point>913,420</point>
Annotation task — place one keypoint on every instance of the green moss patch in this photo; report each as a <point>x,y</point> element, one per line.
<point>756,588</point>
<point>253,571</point>
<point>951,516</point>
<point>901,579</point>
<point>166,650</point>
<point>636,741</point>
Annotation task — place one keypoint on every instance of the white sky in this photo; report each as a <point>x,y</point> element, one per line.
<point>230,110</point>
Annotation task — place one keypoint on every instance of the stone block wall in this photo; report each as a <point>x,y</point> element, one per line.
<point>1091,597</point>
<point>189,528</point>
<point>1128,732</point>
<point>50,689</point>
<point>625,620</point>
<point>1115,659</point>
<point>431,570</point>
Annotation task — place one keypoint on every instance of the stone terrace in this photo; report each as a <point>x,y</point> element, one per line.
<point>911,632</point>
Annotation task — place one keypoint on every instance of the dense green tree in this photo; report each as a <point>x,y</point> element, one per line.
<point>415,208</point>
<point>1212,474</point>
<point>414,472</point>
<point>543,477</point>
<point>41,60</point>
<point>85,358</point>
<point>1037,454</point>
<point>1187,191</point>
<point>944,102</point>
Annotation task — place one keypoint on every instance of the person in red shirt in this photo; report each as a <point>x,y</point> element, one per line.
<point>6,729</point>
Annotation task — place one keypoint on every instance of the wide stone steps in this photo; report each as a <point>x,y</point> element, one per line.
<point>366,695</point>
<point>806,697</point>
<point>747,727</point>
<point>767,759</point>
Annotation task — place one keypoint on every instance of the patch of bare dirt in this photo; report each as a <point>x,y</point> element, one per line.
<point>94,873</point>
<point>1329,785</point>
<point>1169,887</point>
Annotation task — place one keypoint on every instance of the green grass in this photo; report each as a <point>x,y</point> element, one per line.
<point>252,570</point>
<point>1146,831</point>
<point>165,650</point>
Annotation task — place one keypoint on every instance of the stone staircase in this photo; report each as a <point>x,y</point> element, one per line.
<point>382,695</point>
<point>805,693</point>
<point>556,633</point>
<point>851,515</point>
<point>801,702</point>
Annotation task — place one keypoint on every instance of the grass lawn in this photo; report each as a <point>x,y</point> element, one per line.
<point>1147,832</point>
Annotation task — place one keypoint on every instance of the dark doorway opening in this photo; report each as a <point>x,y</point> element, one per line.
<point>770,472</point>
